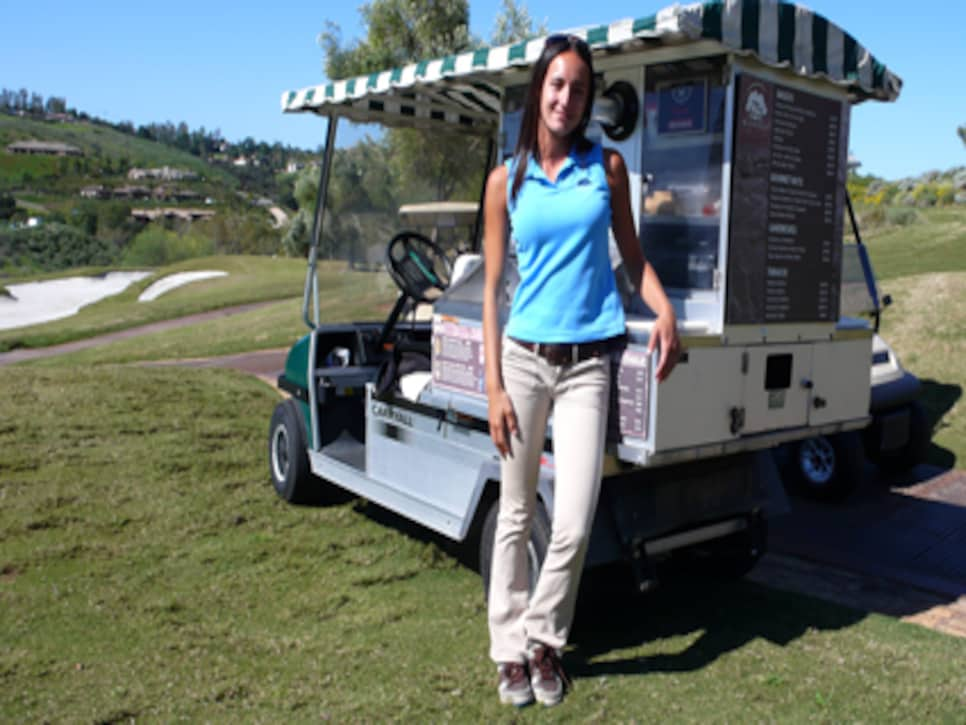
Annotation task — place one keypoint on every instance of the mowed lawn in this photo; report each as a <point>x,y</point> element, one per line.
<point>149,572</point>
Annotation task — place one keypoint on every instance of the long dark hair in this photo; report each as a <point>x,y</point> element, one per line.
<point>527,140</point>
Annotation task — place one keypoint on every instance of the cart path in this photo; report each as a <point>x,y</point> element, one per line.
<point>23,354</point>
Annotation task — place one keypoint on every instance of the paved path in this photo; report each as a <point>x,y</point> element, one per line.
<point>896,549</point>
<point>15,356</point>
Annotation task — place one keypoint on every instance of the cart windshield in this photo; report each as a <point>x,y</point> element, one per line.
<point>380,185</point>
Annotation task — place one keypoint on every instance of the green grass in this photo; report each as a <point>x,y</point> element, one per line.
<point>273,326</point>
<point>13,167</point>
<point>935,243</point>
<point>148,571</point>
<point>926,326</point>
<point>250,279</point>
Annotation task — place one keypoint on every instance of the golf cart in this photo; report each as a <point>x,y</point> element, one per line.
<point>733,121</point>
<point>831,467</point>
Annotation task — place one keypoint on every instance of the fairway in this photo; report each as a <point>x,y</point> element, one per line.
<point>150,572</point>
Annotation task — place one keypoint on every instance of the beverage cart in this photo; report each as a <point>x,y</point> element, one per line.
<point>733,119</point>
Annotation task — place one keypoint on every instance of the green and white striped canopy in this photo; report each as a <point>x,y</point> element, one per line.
<point>466,89</point>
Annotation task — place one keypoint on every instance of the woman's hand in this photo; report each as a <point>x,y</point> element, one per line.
<point>503,421</point>
<point>664,336</point>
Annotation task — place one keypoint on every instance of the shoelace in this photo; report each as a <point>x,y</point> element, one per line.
<point>549,664</point>
<point>514,672</point>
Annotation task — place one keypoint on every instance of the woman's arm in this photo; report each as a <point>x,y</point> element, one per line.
<point>503,421</point>
<point>664,334</point>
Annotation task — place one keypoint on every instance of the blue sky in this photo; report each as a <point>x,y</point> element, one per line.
<point>224,65</point>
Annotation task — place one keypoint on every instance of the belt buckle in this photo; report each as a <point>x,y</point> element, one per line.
<point>574,353</point>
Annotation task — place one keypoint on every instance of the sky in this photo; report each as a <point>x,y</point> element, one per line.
<point>222,65</point>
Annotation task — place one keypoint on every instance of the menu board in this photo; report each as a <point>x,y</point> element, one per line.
<point>787,197</point>
<point>457,360</point>
<point>628,395</point>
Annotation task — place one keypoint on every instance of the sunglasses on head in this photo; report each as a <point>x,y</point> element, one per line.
<point>564,39</point>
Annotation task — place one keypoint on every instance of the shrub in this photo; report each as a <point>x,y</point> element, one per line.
<point>156,246</point>
<point>870,216</point>
<point>901,216</point>
<point>925,195</point>
<point>52,246</point>
<point>945,194</point>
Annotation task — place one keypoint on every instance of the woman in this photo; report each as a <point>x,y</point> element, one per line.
<point>558,196</point>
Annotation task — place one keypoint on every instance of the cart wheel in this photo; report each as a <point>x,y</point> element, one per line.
<point>913,452</point>
<point>536,546</point>
<point>826,468</point>
<point>287,457</point>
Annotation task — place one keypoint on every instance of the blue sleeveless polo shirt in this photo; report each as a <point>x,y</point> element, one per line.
<point>567,291</point>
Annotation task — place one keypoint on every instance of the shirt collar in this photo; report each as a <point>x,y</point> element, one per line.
<point>535,170</point>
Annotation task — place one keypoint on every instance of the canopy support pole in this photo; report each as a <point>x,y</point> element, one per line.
<point>478,224</point>
<point>312,279</point>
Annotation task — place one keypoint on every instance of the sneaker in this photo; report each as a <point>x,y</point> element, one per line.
<point>514,685</point>
<point>547,676</point>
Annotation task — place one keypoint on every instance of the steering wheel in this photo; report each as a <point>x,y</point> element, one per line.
<point>418,266</point>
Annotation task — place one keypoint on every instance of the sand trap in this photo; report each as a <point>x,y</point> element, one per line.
<point>166,284</point>
<point>36,302</point>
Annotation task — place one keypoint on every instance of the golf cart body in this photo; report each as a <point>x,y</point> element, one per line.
<point>733,121</point>
<point>831,467</point>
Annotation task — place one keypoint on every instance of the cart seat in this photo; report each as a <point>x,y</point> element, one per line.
<point>464,266</point>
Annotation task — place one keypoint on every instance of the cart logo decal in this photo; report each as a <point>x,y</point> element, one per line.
<point>387,412</point>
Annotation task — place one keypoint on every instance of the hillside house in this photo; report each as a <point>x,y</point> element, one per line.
<point>165,173</point>
<point>50,148</point>
<point>150,215</point>
<point>95,192</point>
<point>132,192</point>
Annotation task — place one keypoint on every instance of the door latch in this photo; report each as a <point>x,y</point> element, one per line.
<point>737,419</point>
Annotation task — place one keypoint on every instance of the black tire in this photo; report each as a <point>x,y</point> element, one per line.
<point>826,468</point>
<point>536,547</point>
<point>288,460</point>
<point>915,449</point>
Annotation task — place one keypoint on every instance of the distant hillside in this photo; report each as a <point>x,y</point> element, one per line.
<point>107,155</point>
<point>89,206</point>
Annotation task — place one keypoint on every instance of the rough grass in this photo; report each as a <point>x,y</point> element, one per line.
<point>926,326</point>
<point>276,325</point>
<point>149,572</point>
<point>937,243</point>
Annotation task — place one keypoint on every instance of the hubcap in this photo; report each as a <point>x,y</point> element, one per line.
<point>817,459</point>
<point>280,453</point>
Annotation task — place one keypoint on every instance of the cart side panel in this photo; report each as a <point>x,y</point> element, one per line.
<point>841,379</point>
<point>693,405</point>
<point>432,464</point>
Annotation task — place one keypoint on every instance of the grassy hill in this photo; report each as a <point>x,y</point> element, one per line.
<point>77,231</point>
<point>107,155</point>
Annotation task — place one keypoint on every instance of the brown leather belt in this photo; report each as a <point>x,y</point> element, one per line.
<point>565,353</point>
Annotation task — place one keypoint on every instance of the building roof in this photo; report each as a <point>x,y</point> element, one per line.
<point>54,147</point>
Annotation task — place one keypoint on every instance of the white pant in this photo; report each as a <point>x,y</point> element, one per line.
<point>578,394</point>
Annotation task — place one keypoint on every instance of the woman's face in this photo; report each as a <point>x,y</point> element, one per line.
<point>563,97</point>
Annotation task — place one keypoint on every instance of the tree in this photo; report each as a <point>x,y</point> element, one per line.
<point>8,205</point>
<point>514,23</point>
<point>398,32</point>
<point>962,133</point>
